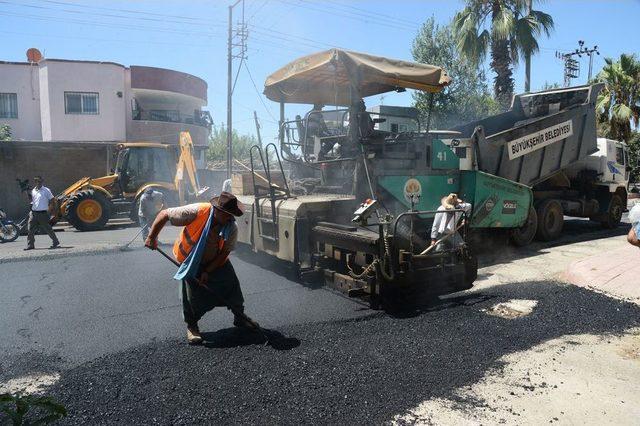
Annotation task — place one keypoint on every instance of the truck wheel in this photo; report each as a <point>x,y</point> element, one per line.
<point>88,210</point>
<point>522,236</point>
<point>614,213</point>
<point>550,220</point>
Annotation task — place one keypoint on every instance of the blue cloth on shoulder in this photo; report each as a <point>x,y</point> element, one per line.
<point>189,268</point>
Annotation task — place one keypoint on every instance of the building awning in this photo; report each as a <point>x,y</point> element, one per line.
<point>339,77</point>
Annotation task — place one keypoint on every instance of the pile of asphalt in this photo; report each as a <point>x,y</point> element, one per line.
<point>347,372</point>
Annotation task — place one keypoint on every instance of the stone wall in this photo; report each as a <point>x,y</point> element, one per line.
<point>59,163</point>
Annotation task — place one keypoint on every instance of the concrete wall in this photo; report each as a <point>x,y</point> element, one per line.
<point>107,79</point>
<point>59,163</point>
<point>22,79</point>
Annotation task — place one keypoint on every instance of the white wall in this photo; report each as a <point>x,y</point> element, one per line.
<point>22,79</point>
<point>106,79</point>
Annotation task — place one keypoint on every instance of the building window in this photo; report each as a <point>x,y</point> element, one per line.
<point>81,103</point>
<point>8,105</point>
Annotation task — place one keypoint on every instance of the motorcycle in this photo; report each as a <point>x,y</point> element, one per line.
<point>9,231</point>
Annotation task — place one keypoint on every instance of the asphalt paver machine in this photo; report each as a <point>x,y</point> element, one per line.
<point>359,201</point>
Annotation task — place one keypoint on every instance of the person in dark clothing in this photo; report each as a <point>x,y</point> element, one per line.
<point>217,280</point>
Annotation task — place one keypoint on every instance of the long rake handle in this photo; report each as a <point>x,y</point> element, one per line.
<point>224,302</point>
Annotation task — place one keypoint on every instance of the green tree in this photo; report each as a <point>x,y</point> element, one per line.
<point>467,98</point>
<point>240,145</point>
<point>619,102</point>
<point>507,29</point>
<point>5,132</point>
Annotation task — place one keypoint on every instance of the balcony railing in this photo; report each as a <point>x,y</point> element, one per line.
<point>201,118</point>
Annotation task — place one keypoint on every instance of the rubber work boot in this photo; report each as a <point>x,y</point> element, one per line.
<point>193,335</point>
<point>243,321</point>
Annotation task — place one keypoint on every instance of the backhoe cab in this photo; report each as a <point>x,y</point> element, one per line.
<point>90,202</point>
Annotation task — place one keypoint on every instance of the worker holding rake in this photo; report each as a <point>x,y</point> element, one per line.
<point>202,249</point>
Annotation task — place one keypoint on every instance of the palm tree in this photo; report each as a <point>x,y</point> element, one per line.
<point>619,102</point>
<point>508,29</point>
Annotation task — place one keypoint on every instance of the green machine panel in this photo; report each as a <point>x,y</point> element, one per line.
<point>443,158</point>
<point>430,189</point>
<point>497,202</point>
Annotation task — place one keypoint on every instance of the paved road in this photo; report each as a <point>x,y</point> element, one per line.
<point>108,327</point>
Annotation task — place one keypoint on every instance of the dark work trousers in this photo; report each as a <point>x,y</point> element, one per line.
<point>197,300</point>
<point>39,219</point>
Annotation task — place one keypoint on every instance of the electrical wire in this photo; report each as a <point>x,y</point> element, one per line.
<point>260,96</point>
<point>109,15</point>
<point>101,24</point>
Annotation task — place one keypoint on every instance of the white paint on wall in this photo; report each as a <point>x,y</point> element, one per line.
<point>103,78</point>
<point>23,80</point>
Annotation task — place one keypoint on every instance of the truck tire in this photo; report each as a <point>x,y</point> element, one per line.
<point>88,210</point>
<point>614,213</point>
<point>550,220</point>
<point>522,236</point>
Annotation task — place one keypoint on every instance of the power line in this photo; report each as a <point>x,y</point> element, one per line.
<point>139,12</point>
<point>374,14</point>
<point>258,10</point>
<point>109,15</point>
<point>104,39</point>
<point>333,12</point>
<point>258,93</point>
<point>111,25</point>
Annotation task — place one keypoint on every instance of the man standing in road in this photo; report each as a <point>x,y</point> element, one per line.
<point>207,253</point>
<point>151,202</point>
<point>42,202</point>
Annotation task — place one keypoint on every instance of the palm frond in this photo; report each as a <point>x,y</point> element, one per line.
<point>621,113</point>
<point>502,24</point>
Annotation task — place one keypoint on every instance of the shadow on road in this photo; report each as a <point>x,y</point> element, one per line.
<point>236,337</point>
<point>360,371</point>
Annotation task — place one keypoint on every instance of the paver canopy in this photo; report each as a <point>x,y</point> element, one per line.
<point>338,77</point>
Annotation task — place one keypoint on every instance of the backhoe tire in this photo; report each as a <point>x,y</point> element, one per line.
<point>522,236</point>
<point>614,213</point>
<point>550,220</point>
<point>88,210</point>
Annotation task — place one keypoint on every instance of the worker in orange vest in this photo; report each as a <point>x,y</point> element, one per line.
<point>217,280</point>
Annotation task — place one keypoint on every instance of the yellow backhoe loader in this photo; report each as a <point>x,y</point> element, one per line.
<point>90,202</point>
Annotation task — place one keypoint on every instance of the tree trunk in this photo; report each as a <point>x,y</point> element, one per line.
<point>501,65</point>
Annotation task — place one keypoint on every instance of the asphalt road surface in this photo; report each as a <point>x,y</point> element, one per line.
<point>109,327</point>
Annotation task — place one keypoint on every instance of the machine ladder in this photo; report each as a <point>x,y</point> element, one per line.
<point>265,188</point>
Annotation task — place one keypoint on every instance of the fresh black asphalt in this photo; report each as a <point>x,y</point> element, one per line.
<point>110,325</point>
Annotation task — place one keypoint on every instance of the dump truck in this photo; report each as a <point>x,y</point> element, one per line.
<point>547,141</point>
<point>90,202</point>
<point>359,203</point>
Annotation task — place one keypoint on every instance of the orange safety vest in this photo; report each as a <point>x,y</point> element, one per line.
<point>190,234</point>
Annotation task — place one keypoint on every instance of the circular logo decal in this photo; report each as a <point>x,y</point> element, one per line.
<point>412,190</point>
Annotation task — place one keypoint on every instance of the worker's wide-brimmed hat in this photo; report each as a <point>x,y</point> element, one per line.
<point>449,202</point>
<point>228,203</point>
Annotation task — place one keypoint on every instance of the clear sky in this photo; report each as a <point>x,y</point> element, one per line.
<point>190,36</point>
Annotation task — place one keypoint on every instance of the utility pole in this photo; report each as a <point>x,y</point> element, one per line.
<point>572,66</point>
<point>255,117</point>
<point>589,53</point>
<point>527,59</point>
<point>230,84</point>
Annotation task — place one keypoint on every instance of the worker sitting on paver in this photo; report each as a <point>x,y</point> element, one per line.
<point>151,203</point>
<point>446,223</point>
<point>203,247</point>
